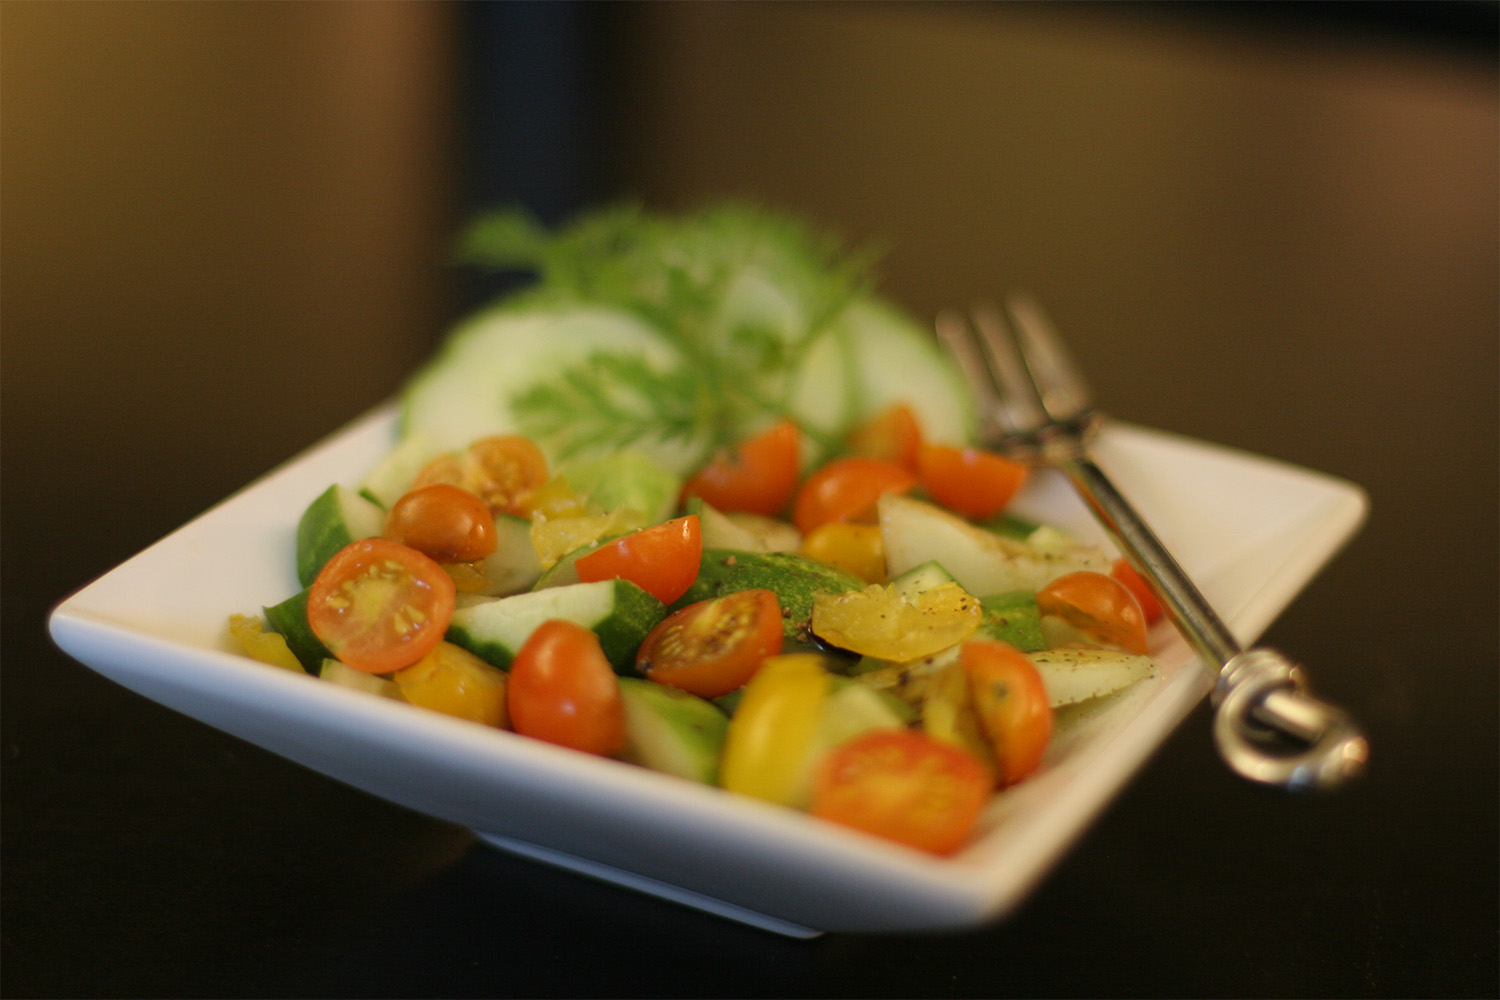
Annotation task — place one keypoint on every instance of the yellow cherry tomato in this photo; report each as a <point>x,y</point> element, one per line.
<point>879,622</point>
<point>454,681</point>
<point>258,644</point>
<point>857,548</point>
<point>769,748</point>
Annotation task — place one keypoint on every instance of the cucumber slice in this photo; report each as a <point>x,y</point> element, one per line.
<point>513,566</point>
<point>1074,675</point>
<point>336,672</point>
<point>290,619</point>
<point>390,480</point>
<point>627,479</point>
<point>983,563</point>
<point>467,390</point>
<point>743,531</point>
<point>868,358</point>
<point>921,578</point>
<point>672,731</point>
<point>1014,618</point>
<point>795,580</point>
<point>620,613</point>
<point>875,357</point>
<point>337,517</point>
<point>853,708</point>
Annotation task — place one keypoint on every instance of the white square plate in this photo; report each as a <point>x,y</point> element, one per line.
<point>1250,531</point>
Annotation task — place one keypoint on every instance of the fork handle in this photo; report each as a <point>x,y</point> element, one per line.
<point>1268,728</point>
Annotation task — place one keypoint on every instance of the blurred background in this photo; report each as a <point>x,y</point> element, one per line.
<point>225,231</point>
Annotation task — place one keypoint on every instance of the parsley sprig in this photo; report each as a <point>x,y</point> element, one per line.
<point>741,293</point>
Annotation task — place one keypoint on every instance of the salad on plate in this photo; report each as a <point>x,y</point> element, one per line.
<point>699,499</point>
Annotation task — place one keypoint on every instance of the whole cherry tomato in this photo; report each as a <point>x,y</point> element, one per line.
<point>758,476</point>
<point>444,521</point>
<point>846,490</point>
<point>972,482</point>
<point>563,690</point>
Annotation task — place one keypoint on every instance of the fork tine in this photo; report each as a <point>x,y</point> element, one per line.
<point>1056,377</point>
<point>956,336</point>
<point>1021,401</point>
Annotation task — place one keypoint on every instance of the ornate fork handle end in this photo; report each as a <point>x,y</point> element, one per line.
<point>1270,730</point>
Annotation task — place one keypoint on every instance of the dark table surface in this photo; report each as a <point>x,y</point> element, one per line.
<point>145,854</point>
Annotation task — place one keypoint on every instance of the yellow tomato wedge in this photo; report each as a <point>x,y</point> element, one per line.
<point>561,521</point>
<point>454,681</point>
<point>768,749</point>
<point>879,622</point>
<point>258,644</point>
<point>857,548</point>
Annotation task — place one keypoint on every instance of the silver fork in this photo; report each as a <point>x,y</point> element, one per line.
<point>1035,406</point>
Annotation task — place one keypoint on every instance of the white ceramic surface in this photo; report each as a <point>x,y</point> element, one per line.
<point>1250,531</point>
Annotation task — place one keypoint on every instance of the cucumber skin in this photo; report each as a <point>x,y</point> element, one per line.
<point>635,613</point>
<point>290,619</point>
<point>1013,617</point>
<point>322,530</point>
<point>672,731</point>
<point>795,580</point>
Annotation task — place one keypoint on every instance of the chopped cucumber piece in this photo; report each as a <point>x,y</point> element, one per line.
<point>921,578</point>
<point>513,566</point>
<point>983,563</point>
<point>337,517</point>
<point>336,672</point>
<point>795,580</point>
<point>620,613</point>
<point>1074,675</point>
<point>672,731</point>
<point>290,619</point>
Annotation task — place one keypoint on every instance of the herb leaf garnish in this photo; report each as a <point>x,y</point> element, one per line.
<point>741,293</point>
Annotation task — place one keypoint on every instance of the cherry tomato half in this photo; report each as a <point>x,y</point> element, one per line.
<point>444,521</point>
<point>758,476</point>
<point>972,482</point>
<point>893,435</point>
<point>562,690</point>
<point>1099,606</point>
<point>662,560</point>
<point>502,470</point>
<point>713,647</point>
<point>1011,702</point>
<point>1126,574</point>
<point>904,786</point>
<point>846,490</point>
<point>379,606</point>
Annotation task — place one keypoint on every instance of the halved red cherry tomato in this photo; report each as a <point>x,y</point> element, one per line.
<point>379,606</point>
<point>446,522</point>
<point>893,434</point>
<point>905,786</point>
<point>662,560</point>
<point>1099,606</point>
<point>846,490</point>
<point>1126,574</point>
<point>1011,702</point>
<point>970,481</point>
<point>562,690</point>
<point>502,470</point>
<point>758,476</point>
<point>713,647</point>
